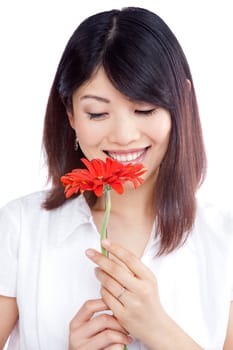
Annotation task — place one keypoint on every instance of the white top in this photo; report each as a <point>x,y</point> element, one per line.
<point>43,264</point>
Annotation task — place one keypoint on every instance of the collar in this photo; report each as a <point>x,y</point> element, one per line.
<point>71,215</point>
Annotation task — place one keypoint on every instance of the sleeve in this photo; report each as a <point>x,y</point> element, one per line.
<point>9,243</point>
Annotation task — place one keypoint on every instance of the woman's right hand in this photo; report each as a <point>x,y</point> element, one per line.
<point>101,331</point>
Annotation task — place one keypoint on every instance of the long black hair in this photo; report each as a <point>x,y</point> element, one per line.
<point>144,61</point>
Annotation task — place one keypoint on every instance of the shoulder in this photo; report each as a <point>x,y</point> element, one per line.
<point>213,229</point>
<point>33,203</point>
<point>216,217</point>
<point>32,200</point>
<point>26,214</point>
<point>19,210</point>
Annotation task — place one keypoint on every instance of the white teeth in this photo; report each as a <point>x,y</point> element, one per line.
<point>126,157</point>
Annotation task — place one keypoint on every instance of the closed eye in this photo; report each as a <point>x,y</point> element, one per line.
<point>97,115</point>
<point>146,112</point>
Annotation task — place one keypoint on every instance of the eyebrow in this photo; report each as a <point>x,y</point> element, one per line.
<point>97,98</point>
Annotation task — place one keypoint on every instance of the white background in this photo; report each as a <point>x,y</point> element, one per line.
<point>33,35</point>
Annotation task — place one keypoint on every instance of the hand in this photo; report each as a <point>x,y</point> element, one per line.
<point>130,290</point>
<point>89,331</point>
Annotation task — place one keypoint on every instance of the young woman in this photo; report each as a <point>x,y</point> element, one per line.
<point>123,90</point>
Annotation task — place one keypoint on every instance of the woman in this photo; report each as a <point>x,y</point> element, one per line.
<point>123,90</point>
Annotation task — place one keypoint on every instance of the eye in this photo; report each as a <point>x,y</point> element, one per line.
<point>98,116</point>
<point>146,111</point>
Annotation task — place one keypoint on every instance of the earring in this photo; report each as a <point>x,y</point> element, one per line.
<point>76,145</point>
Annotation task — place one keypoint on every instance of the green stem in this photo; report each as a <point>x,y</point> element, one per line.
<point>103,232</point>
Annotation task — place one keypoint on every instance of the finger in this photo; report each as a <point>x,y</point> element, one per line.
<point>122,275</point>
<point>113,287</point>
<point>96,325</point>
<point>89,308</point>
<point>132,262</point>
<point>117,307</point>
<point>115,347</point>
<point>105,321</point>
<point>108,339</point>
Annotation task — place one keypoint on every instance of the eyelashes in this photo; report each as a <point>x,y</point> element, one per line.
<point>97,115</point>
<point>146,112</point>
<point>100,116</point>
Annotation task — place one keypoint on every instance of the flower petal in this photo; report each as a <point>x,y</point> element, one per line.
<point>99,190</point>
<point>117,186</point>
<point>100,173</point>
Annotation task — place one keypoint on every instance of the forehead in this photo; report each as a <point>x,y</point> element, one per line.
<point>99,86</point>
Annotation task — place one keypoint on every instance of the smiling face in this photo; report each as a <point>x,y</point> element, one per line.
<point>107,123</point>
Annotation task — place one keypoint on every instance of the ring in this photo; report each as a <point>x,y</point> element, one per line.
<point>121,292</point>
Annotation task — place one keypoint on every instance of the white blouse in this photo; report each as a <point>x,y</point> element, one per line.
<point>43,264</point>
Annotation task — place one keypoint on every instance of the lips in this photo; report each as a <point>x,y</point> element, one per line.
<point>127,155</point>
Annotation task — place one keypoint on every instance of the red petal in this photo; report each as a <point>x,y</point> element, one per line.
<point>100,173</point>
<point>70,191</point>
<point>99,190</point>
<point>88,164</point>
<point>117,186</point>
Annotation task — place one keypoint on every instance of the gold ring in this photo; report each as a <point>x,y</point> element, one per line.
<point>121,292</point>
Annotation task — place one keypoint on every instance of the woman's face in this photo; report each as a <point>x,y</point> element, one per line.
<point>108,124</point>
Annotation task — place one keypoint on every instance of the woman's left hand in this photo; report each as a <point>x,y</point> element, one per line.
<point>130,290</point>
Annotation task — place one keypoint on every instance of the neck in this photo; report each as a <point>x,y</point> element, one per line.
<point>133,211</point>
<point>132,202</point>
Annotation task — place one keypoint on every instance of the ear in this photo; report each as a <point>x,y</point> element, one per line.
<point>189,84</point>
<point>70,115</point>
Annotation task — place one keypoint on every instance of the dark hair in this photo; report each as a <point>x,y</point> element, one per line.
<point>144,61</point>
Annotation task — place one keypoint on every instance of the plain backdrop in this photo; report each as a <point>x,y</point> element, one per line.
<point>33,35</point>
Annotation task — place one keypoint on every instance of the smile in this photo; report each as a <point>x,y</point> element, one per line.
<point>127,156</point>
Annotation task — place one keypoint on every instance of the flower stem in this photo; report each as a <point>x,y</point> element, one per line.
<point>103,232</point>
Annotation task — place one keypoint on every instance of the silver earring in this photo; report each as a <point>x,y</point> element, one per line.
<point>76,145</point>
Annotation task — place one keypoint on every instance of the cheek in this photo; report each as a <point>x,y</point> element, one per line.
<point>166,137</point>
<point>160,133</point>
<point>89,135</point>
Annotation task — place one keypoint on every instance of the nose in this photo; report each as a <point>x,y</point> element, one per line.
<point>125,129</point>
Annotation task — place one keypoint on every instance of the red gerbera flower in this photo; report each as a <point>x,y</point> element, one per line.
<point>99,174</point>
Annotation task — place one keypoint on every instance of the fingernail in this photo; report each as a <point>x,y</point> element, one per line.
<point>90,253</point>
<point>106,242</point>
<point>96,270</point>
<point>130,339</point>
